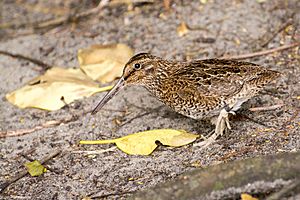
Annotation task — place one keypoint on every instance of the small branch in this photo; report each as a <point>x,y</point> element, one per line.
<point>265,41</point>
<point>71,18</point>
<point>261,53</point>
<point>116,2</point>
<point>96,151</point>
<point>60,20</point>
<point>43,65</point>
<point>25,172</point>
<point>47,124</point>
<point>255,121</point>
<point>30,159</point>
<point>266,108</point>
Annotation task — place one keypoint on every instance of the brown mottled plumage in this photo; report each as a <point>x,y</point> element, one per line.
<point>197,89</point>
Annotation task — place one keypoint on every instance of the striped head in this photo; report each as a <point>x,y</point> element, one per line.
<point>139,70</point>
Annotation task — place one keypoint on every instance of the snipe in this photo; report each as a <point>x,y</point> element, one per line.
<point>198,89</point>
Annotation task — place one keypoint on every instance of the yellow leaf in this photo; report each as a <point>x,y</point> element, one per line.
<point>35,168</point>
<point>104,62</point>
<point>46,91</point>
<point>182,29</point>
<point>247,197</point>
<point>143,143</point>
<point>237,41</point>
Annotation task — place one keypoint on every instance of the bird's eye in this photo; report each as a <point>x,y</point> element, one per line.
<point>137,66</point>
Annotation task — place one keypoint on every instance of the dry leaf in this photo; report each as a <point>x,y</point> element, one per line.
<point>46,91</point>
<point>247,197</point>
<point>35,168</point>
<point>104,62</point>
<point>143,143</point>
<point>182,29</point>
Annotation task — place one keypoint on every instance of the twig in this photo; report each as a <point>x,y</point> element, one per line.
<point>25,172</point>
<point>266,40</point>
<point>71,18</point>
<point>30,159</point>
<point>266,108</point>
<point>116,2</point>
<point>47,124</point>
<point>43,65</point>
<point>255,121</point>
<point>60,20</point>
<point>96,151</point>
<point>261,53</point>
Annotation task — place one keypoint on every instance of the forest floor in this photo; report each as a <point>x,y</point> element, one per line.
<point>217,28</point>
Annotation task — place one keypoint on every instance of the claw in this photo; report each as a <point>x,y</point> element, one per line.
<point>221,123</point>
<point>206,142</point>
<point>227,123</point>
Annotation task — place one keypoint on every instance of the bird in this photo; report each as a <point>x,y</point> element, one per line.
<point>199,89</point>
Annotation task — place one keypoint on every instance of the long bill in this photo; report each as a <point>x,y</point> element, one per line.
<point>119,85</point>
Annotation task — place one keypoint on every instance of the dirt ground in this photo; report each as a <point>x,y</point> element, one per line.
<point>217,28</point>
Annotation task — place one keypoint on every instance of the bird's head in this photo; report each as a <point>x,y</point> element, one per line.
<point>139,70</point>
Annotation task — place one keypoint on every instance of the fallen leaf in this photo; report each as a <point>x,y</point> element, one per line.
<point>182,29</point>
<point>237,41</point>
<point>245,196</point>
<point>144,143</point>
<point>46,91</point>
<point>35,168</point>
<point>104,62</point>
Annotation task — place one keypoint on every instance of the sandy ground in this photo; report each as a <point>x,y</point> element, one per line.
<point>217,28</point>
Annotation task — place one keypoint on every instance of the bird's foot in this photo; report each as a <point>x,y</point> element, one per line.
<point>207,141</point>
<point>222,122</point>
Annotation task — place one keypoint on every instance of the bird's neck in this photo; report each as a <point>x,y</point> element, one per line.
<point>156,83</point>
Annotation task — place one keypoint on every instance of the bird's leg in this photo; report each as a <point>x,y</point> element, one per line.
<point>221,122</point>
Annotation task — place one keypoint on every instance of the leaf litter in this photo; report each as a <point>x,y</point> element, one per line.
<point>60,86</point>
